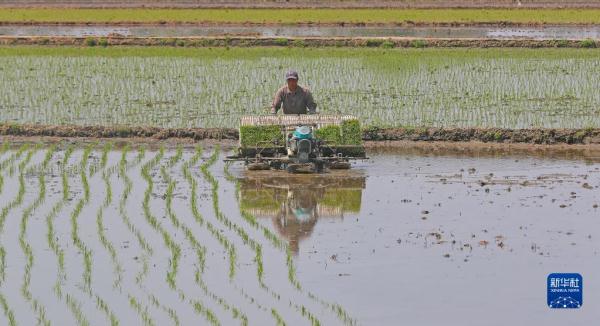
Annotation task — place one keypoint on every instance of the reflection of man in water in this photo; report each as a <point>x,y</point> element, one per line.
<point>298,215</point>
<point>295,203</point>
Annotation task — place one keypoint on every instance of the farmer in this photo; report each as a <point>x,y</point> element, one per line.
<point>294,98</point>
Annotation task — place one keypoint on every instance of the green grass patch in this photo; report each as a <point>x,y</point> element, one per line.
<point>379,56</point>
<point>287,16</point>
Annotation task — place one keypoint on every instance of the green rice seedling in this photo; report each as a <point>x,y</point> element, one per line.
<point>177,157</point>
<point>143,312</point>
<point>170,311</point>
<point>18,200</point>
<point>15,157</point>
<point>123,166</point>
<point>7,311</point>
<point>140,156</point>
<point>2,265</point>
<point>279,320</point>
<point>117,266</point>
<point>65,183</point>
<point>210,317</point>
<point>103,306</point>
<point>87,253</point>
<point>76,308</point>
<point>3,149</point>
<point>103,159</point>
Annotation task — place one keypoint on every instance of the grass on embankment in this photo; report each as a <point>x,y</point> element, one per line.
<point>376,56</point>
<point>291,16</point>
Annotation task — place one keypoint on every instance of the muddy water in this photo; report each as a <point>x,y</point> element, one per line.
<point>537,33</point>
<point>404,237</point>
<point>451,239</point>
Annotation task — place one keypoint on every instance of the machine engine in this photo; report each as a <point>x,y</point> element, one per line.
<point>301,144</point>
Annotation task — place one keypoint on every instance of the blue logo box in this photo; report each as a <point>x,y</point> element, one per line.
<point>565,290</point>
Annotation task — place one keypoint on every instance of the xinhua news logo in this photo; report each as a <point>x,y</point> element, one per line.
<point>565,291</point>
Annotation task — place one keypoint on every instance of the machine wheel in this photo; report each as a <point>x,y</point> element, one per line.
<point>258,166</point>
<point>319,166</point>
<point>301,168</point>
<point>339,165</point>
<point>275,165</point>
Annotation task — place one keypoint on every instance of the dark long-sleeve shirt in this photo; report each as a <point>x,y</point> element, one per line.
<point>298,102</point>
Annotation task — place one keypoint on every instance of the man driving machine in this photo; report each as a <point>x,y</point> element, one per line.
<point>293,98</point>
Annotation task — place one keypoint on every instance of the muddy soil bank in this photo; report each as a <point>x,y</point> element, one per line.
<point>499,135</point>
<point>371,134</point>
<point>588,153</point>
<point>225,41</point>
<point>122,132</point>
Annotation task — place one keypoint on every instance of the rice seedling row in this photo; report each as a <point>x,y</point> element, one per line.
<point>37,307</point>
<point>16,202</point>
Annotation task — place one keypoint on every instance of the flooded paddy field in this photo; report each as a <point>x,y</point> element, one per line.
<point>159,235</point>
<point>210,87</point>
<point>479,32</point>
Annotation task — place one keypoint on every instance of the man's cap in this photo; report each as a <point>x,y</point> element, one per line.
<point>291,75</point>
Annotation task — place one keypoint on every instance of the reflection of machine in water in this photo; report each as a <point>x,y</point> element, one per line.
<point>296,202</point>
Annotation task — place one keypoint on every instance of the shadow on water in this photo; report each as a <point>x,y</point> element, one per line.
<point>295,203</point>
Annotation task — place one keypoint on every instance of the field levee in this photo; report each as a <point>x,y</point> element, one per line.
<point>370,134</point>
